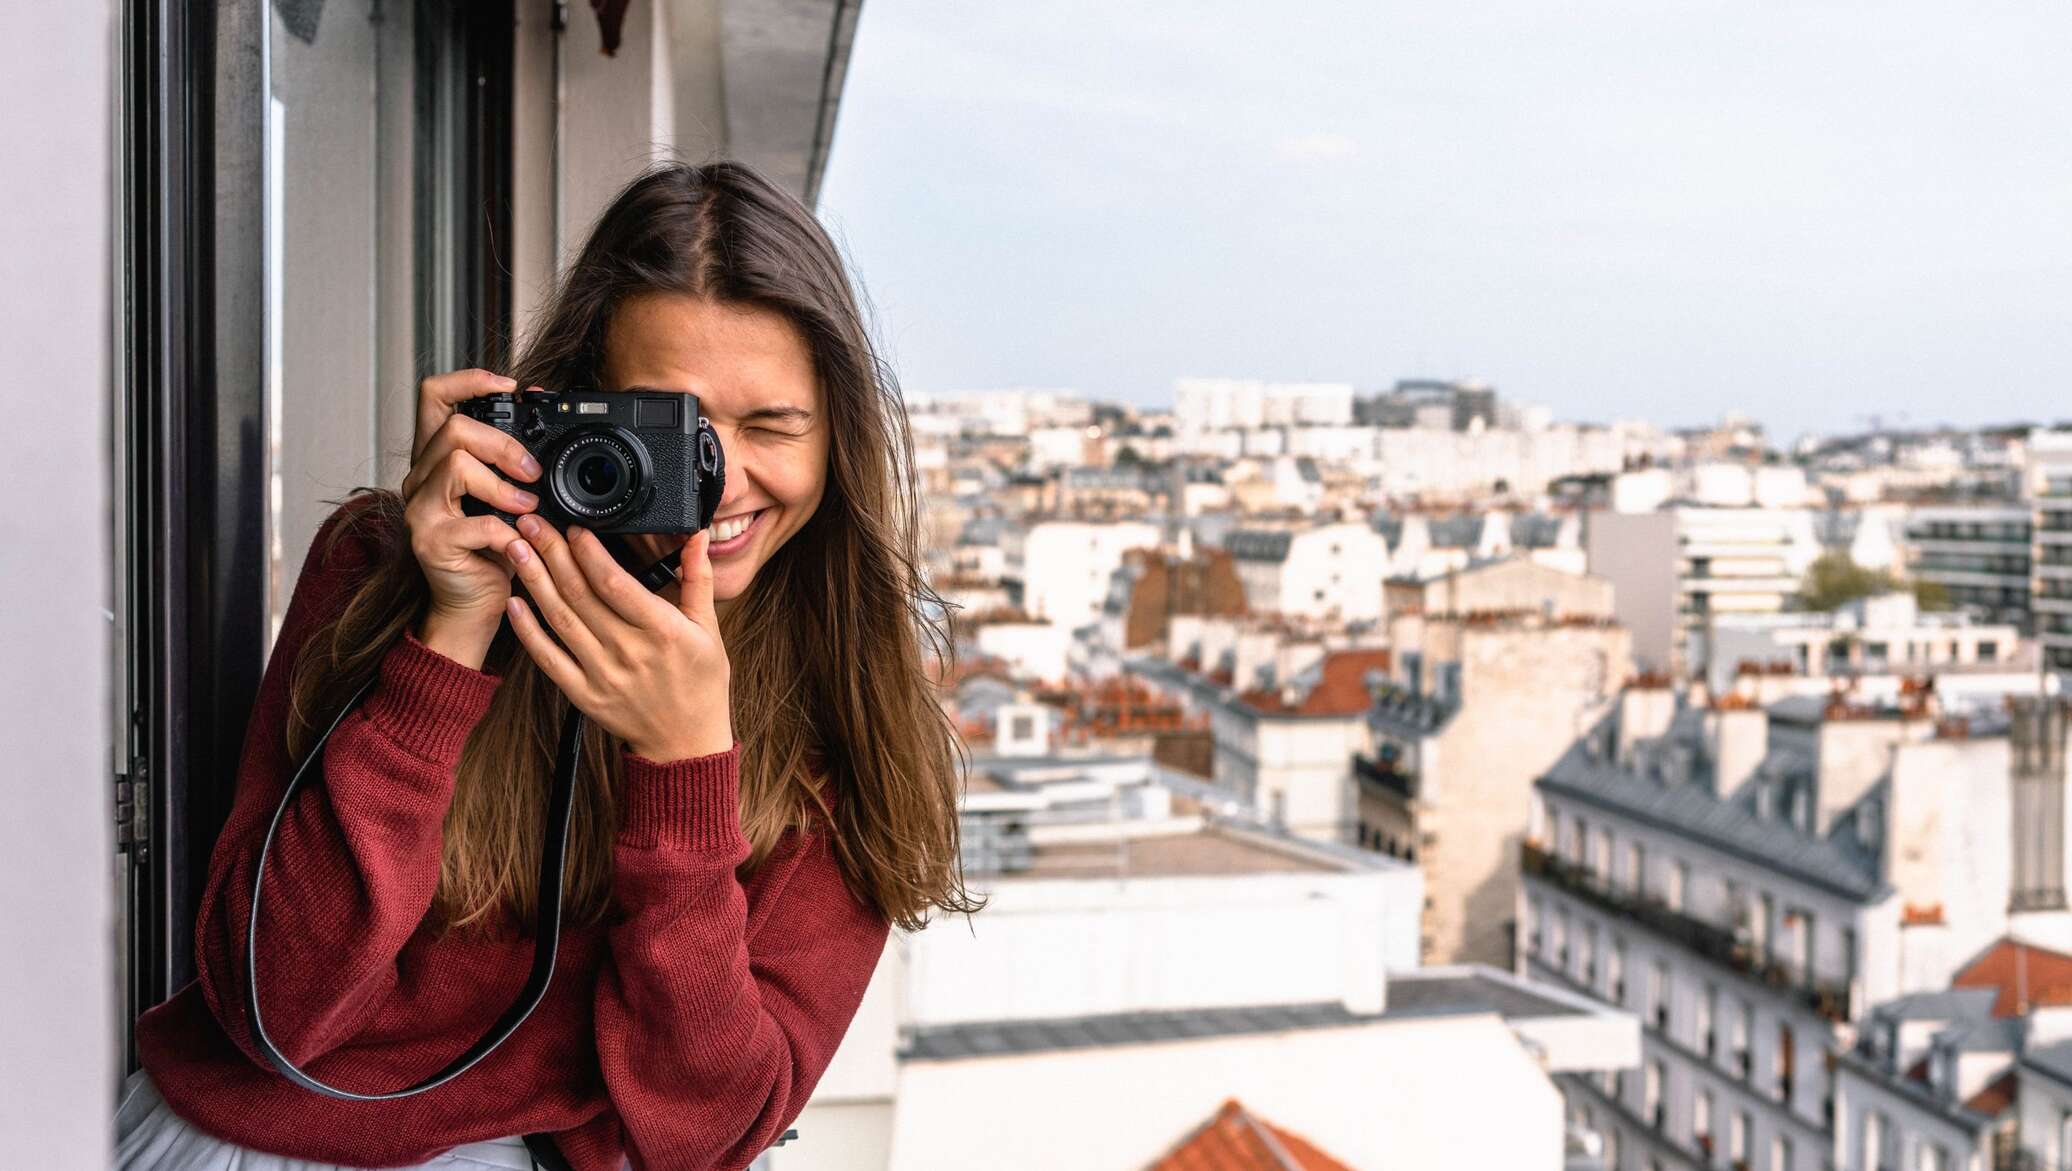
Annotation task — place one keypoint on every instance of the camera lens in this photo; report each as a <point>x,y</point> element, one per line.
<point>595,476</point>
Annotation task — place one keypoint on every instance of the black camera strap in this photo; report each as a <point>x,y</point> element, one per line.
<point>546,930</point>
<point>546,926</point>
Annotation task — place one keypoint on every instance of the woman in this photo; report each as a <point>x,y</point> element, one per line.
<point>768,783</point>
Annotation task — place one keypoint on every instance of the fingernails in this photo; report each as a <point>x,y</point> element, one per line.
<point>529,465</point>
<point>506,383</point>
<point>519,551</point>
<point>575,531</point>
<point>525,499</point>
<point>530,525</point>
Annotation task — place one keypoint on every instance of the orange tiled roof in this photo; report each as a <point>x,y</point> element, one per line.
<point>1341,691</point>
<point>1238,1140</point>
<point>2027,977</point>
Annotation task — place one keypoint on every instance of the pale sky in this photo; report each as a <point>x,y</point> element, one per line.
<point>1807,211</point>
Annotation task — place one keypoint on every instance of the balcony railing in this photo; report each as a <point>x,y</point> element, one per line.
<point>1384,776</point>
<point>1828,1000</point>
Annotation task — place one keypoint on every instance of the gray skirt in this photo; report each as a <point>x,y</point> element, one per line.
<point>150,1137</point>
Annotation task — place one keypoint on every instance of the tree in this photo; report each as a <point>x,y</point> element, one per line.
<point>1931,595</point>
<point>1835,579</point>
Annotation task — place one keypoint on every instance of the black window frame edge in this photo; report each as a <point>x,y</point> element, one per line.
<point>190,461</point>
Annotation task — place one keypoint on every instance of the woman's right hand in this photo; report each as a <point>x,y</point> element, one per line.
<point>463,557</point>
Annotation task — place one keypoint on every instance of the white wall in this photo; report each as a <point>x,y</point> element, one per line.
<point>1066,566</point>
<point>1073,947</point>
<point>57,1007</point>
<point>1436,1092</point>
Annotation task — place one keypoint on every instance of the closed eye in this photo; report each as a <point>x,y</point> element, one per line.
<point>788,420</point>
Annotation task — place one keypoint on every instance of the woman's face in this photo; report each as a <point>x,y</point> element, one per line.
<point>754,379</point>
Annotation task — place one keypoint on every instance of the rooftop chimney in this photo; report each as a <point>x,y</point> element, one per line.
<point>1739,735</point>
<point>1646,707</point>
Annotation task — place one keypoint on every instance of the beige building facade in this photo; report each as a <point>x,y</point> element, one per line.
<point>1497,669</point>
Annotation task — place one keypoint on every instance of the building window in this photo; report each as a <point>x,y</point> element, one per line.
<point>1876,1141</point>
<point>1708,1025</point>
<point>1988,650</point>
<point>1658,995</point>
<point>1636,869</point>
<point>1701,1123</point>
<point>1560,940</point>
<point>1615,970</point>
<point>1601,856</point>
<point>1780,1153</point>
<point>1934,1157</point>
<point>1579,833</point>
<point>1737,1136</point>
<point>1535,916</point>
<point>1652,1100</point>
<point>1679,881</point>
<point>1784,1061</point>
<point>1744,1023</point>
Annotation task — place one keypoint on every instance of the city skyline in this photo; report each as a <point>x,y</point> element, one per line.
<point>1615,211</point>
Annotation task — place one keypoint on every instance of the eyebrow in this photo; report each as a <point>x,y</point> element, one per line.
<point>778,414</point>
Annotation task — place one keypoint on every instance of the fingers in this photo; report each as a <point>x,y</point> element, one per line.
<point>460,474</point>
<point>543,563</point>
<point>618,589</point>
<point>437,395</point>
<point>480,534</point>
<point>478,439</point>
<point>694,581</point>
<point>566,673</point>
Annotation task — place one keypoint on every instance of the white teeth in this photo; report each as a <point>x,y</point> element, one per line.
<point>732,527</point>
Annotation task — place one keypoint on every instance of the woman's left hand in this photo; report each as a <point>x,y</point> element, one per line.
<point>651,673</point>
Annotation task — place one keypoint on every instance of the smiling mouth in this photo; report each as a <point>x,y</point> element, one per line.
<point>732,533</point>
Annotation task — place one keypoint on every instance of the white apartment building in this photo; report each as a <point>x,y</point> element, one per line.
<point>1443,464</point>
<point>1331,571</point>
<point>1422,547</point>
<point>1973,1077</point>
<point>1678,565</point>
<point>1065,566</point>
<point>1140,964</point>
<point>1748,881</point>
<point>2049,481</point>
<point>1979,554</point>
<point>1014,411</point>
<point>1203,407</point>
<point>2009,561</point>
<point>1287,722</point>
<point>1887,633</point>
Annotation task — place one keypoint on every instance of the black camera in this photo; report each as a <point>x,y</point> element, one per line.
<point>612,461</point>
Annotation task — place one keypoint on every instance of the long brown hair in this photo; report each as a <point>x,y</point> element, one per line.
<point>831,646</point>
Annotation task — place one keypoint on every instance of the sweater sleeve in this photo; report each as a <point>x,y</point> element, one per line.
<point>356,860</point>
<point>712,1035</point>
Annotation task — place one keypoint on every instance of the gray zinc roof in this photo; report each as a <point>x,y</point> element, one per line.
<point>1003,1038</point>
<point>1942,1004</point>
<point>1456,532</point>
<point>1257,544</point>
<point>1693,811</point>
<point>2054,1059</point>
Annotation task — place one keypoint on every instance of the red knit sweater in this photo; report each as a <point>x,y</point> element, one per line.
<point>684,1032</point>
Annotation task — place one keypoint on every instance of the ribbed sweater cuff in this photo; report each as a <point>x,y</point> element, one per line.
<point>694,803</point>
<point>427,702</point>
